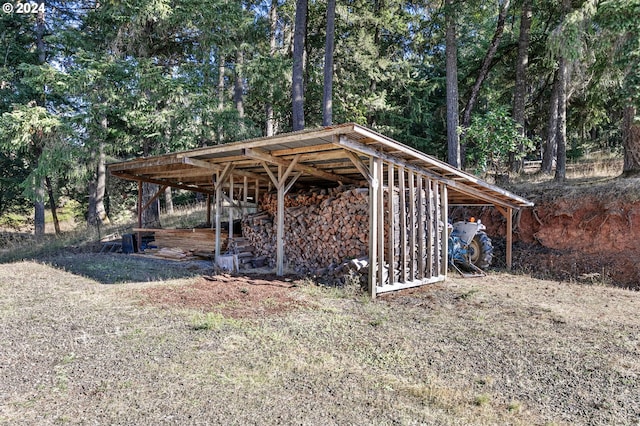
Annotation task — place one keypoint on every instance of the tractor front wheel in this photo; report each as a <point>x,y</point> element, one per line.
<point>481,250</point>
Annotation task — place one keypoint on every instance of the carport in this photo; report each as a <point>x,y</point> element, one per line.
<point>409,192</point>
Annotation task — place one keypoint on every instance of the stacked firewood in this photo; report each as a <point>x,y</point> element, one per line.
<point>322,228</point>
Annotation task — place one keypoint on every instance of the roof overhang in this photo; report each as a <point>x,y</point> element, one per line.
<point>324,156</point>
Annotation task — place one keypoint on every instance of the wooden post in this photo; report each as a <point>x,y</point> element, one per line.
<point>139,235</point>
<point>280,226</point>
<point>403,225</point>
<point>380,235</point>
<point>373,227</point>
<point>230,210</point>
<point>218,186</point>
<point>507,212</point>
<point>208,222</point>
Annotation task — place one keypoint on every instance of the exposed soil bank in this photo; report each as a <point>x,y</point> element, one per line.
<point>582,232</point>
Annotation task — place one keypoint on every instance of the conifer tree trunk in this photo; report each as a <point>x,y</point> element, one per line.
<point>551,143</point>
<point>563,77</point>
<point>52,205</point>
<point>221,60</point>
<point>98,186</point>
<point>101,183</point>
<point>238,89</point>
<point>168,200</point>
<point>38,204</point>
<point>520,89</point>
<point>327,94</point>
<point>561,162</point>
<point>453,139</point>
<point>297,90</point>
<point>273,28</point>
<point>631,141</point>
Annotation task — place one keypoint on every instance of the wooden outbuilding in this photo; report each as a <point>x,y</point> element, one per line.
<point>409,192</point>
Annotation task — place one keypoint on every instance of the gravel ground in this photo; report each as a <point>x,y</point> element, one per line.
<point>503,349</point>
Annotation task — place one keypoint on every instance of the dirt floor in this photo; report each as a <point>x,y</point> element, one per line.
<point>188,347</point>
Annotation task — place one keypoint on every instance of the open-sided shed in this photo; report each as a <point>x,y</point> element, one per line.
<point>409,192</point>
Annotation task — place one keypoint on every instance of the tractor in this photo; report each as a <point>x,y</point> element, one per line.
<point>470,249</point>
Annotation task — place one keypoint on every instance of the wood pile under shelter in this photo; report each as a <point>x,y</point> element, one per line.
<point>329,195</point>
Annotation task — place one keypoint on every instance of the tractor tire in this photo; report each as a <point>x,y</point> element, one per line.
<point>481,250</point>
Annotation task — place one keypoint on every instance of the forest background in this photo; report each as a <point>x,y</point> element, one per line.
<point>481,84</point>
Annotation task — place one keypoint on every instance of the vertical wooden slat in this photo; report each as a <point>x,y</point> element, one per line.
<point>445,234</point>
<point>437,238</point>
<point>208,222</point>
<point>421,239</point>
<point>412,227</point>
<point>380,222</point>
<point>257,194</point>
<point>403,225</point>
<point>509,237</point>
<point>245,194</point>
<point>431,240</point>
<point>391,234</point>
<point>373,227</point>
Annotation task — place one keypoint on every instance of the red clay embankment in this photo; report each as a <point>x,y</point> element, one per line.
<point>583,232</point>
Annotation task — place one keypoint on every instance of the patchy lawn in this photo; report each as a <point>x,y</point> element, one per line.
<point>192,348</point>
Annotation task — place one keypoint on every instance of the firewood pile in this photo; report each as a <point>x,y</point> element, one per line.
<point>323,228</point>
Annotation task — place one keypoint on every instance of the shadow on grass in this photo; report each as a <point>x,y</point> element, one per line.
<point>121,268</point>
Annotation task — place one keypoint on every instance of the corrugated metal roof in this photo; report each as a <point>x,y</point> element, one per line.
<point>324,156</point>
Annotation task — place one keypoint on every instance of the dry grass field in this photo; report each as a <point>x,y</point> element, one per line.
<point>110,339</point>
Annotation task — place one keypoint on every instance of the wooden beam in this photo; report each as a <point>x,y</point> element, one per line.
<point>362,168</point>
<point>273,177</point>
<point>222,175</point>
<point>162,182</point>
<point>264,156</point>
<point>293,180</point>
<point>217,167</point>
<point>142,162</point>
<point>359,147</point>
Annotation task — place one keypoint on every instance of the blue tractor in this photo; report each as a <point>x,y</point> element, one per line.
<point>470,249</point>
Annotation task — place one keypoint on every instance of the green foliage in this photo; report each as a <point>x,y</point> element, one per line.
<point>141,78</point>
<point>491,138</point>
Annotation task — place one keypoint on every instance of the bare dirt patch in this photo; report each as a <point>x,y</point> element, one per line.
<point>232,296</point>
